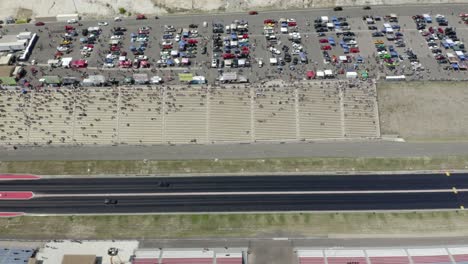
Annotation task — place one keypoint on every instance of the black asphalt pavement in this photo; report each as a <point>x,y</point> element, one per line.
<point>230,203</point>
<point>239,184</point>
<point>146,195</point>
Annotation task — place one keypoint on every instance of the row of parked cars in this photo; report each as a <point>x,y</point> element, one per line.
<point>231,45</point>
<point>179,46</point>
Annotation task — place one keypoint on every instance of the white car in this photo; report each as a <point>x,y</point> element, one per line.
<point>111,56</point>
<point>103,24</point>
<point>214,63</point>
<point>117,19</point>
<point>116,37</point>
<point>62,48</point>
<point>275,51</point>
<point>142,57</point>
<point>109,65</point>
<point>156,80</point>
<point>177,38</point>
<point>260,63</point>
<point>72,21</point>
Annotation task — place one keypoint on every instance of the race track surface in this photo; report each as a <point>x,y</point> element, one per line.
<point>239,194</point>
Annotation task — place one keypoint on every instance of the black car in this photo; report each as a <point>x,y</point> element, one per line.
<point>119,29</point>
<point>348,33</point>
<point>372,27</point>
<point>322,30</point>
<point>377,34</point>
<point>164,184</point>
<point>325,54</point>
<point>193,26</point>
<point>366,8</point>
<point>338,8</point>
<point>287,57</point>
<point>110,202</point>
<point>295,61</point>
<point>204,50</point>
<point>118,33</point>
<point>285,48</point>
<point>85,32</point>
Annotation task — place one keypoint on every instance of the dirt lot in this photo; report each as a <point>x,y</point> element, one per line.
<point>424,110</point>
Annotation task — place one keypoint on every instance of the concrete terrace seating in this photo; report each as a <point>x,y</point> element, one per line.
<point>187,257</point>
<point>51,116</point>
<point>359,105</point>
<point>96,116</point>
<point>388,256</point>
<point>319,111</point>
<point>14,121</point>
<point>140,115</point>
<point>185,115</point>
<point>274,113</point>
<point>230,114</point>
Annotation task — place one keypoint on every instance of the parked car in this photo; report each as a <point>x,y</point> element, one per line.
<point>327,47</point>
<point>102,23</point>
<point>140,17</point>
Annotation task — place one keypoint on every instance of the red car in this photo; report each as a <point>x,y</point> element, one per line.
<point>269,21</point>
<point>228,56</point>
<point>327,47</point>
<point>69,28</point>
<point>144,64</point>
<point>79,64</point>
<point>140,16</point>
<point>125,64</point>
<point>292,24</point>
<point>323,40</point>
<point>115,48</point>
<point>253,13</point>
<point>440,30</point>
<point>192,41</point>
<point>354,50</point>
<point>39,23</point>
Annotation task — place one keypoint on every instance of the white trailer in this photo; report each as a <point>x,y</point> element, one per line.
<point>12,46</point>
<point>24,35</point>
<point>66,17</point>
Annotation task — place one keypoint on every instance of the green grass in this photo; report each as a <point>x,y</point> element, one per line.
<point>233,166</point>
<point>445,223</point>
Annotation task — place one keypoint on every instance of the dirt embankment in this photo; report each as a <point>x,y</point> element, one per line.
<point>96,8</point>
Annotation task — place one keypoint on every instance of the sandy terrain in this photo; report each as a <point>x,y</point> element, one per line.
<point>423,110</point>
<point>96,8</point>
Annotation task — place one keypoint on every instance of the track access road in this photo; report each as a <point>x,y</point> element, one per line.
<point>241,193</point>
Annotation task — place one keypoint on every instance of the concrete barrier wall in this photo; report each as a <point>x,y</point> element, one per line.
<point>96,8</point>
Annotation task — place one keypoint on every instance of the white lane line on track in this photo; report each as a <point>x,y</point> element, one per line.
<point>39,195</point>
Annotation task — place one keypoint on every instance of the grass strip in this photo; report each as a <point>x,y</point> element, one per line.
<point>233,166</point>
<point>404,224</point>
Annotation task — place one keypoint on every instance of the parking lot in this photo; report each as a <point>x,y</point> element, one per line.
<point>199,62</point>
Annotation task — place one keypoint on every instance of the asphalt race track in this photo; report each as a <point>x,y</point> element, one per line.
<point>239,194</point>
